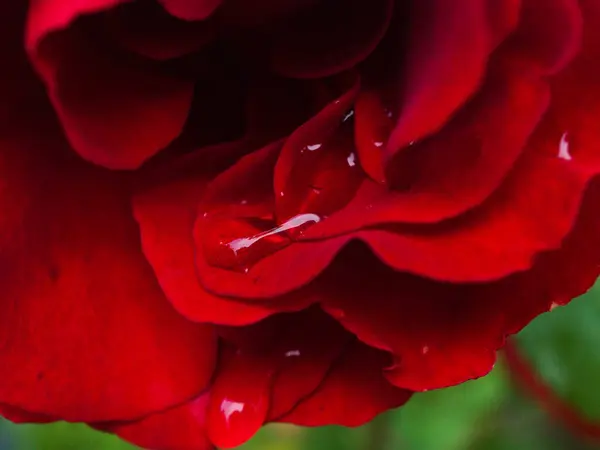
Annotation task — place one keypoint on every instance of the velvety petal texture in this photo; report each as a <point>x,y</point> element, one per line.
<point>115,111</point>
<point>221,214</point>
<point>83,317</point>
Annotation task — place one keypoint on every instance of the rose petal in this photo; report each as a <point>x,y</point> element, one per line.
<point>437,336</point>
<point>85,328</point>
<point>115,111</point>
<point>531,213</point>
<point>549,34</point>
<point>191,9</point>
<point>239,399</point>
<point>236,14</point>
<point>48,16</point>
<point>313,173</point>
<point>237,254</point>
<point>148,30</point>
<point>353,393</point>
<point>308,358</point>
<point>455,170</point>
<point>305,47</point>
<point>179,428</point>
<point>443,334</point>
<point>166,216</point>
<point>450,44</point>
<point>17,415</point>
<point>274,366</point>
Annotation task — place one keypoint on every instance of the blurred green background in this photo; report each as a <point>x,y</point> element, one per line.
<point>486,414</point>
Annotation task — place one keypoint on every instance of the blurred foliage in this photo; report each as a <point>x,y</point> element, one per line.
<point>486,414</point>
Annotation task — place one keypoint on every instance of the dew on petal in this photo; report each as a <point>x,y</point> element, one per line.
<point>351,159</point>
<point>241,253</point>
<point>322,176</point>
<point>374,123</point>
<point>563,148</point>
<point>425,349</point>
<point>349,115</point>
<point>229,407</point>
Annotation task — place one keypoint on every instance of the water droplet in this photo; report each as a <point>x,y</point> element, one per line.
<point>553,306</point>
<point>241,253</point>
<point>374,123</point>
<point>229,407</point>
<point>351,160</point>
<point>292,353</point>
<point>563,147</point>
<point>425,349</point>
<point>349,115</point>
<point>323,178</point>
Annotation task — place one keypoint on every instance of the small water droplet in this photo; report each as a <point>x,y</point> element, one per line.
<point>563,148</point>
<point>313,147</point>
<point>244,202</point>
<point>281,193</point>
<point>425,349</point>
<point>553,306</point>
<point>348,116</point>
<point>351,160</point>
<point>292,353</point>
<point>378,144</point>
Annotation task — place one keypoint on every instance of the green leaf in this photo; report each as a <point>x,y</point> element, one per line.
<point>563,346</point>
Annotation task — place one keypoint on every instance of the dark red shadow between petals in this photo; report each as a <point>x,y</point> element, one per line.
<point>306,47</point>
<point>116,112</point>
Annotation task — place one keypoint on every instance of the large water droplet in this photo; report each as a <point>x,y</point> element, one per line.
<point>247,245</point>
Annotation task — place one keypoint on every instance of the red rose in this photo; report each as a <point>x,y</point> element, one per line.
<point>298,211</point>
